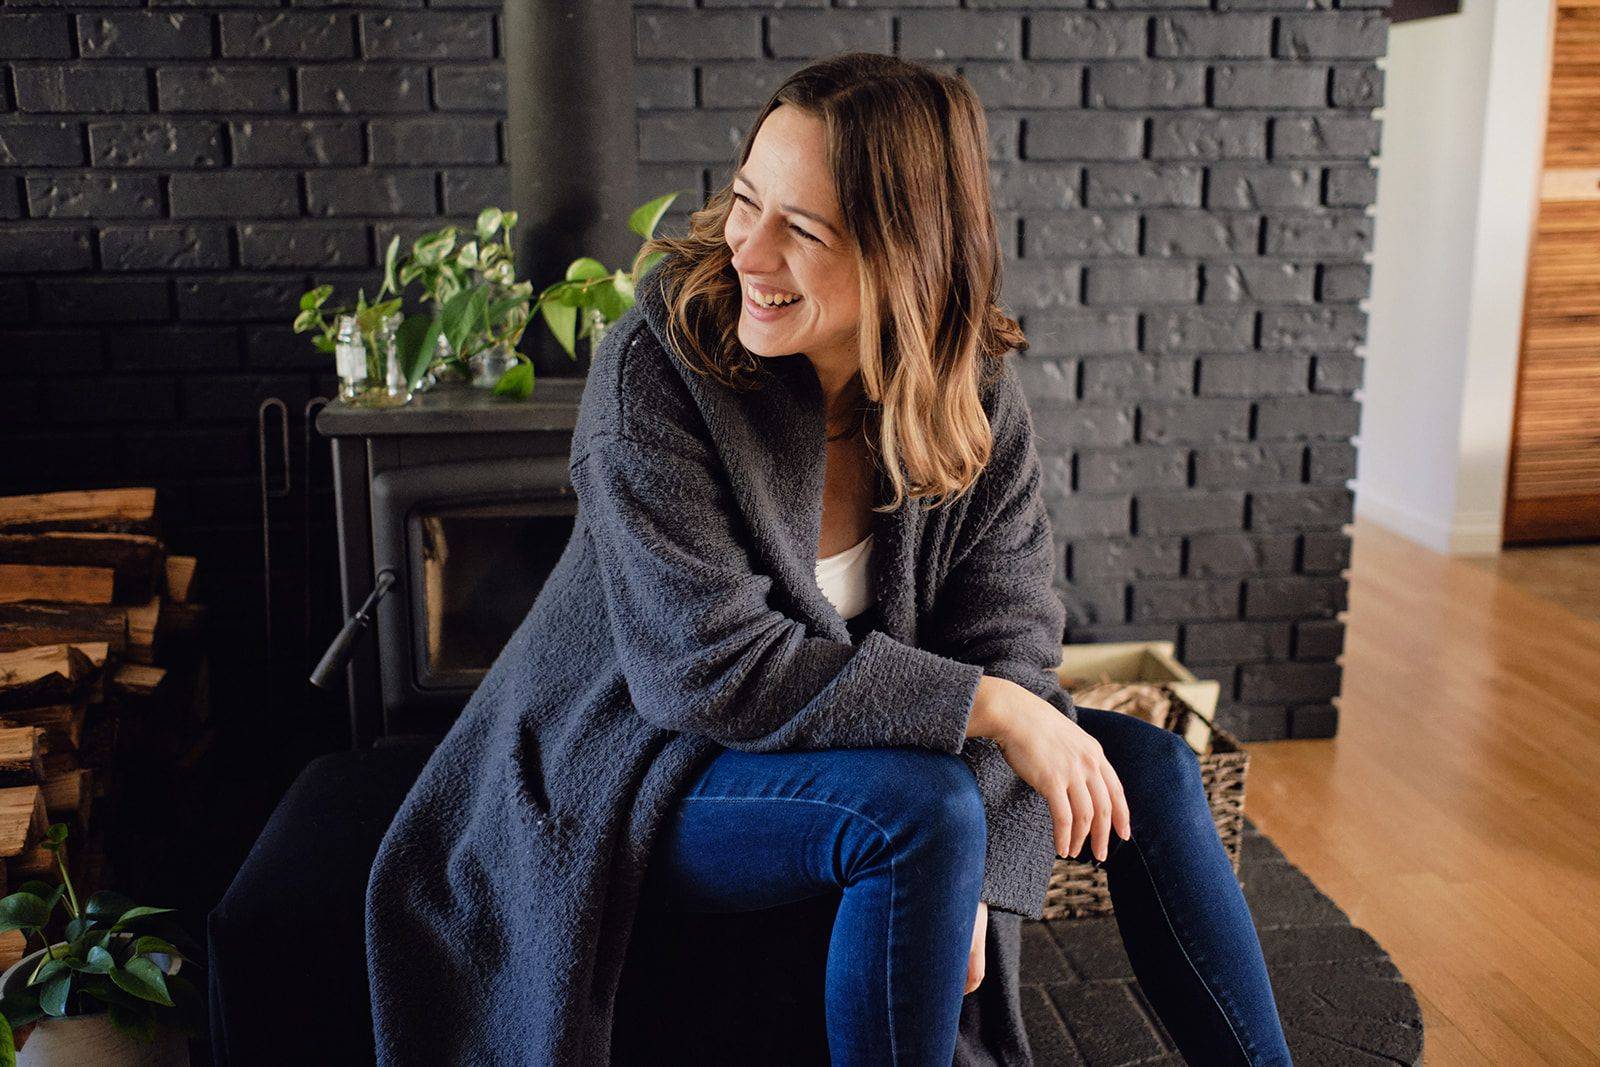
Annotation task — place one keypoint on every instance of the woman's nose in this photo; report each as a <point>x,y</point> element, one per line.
<point>756,251</point>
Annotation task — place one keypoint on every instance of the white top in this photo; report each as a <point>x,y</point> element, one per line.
<point>843,578</point>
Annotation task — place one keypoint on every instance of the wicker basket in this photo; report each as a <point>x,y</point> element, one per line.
<point>1078,887</point>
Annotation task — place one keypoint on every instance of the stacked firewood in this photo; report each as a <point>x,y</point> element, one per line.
<point>99,660</point>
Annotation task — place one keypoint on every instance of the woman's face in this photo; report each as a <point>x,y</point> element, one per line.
<point>787,239</point>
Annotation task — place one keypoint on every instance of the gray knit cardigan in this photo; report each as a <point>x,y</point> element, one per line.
<point>683,618</point>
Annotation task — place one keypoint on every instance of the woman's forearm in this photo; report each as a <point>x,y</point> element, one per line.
<point>991,708</point>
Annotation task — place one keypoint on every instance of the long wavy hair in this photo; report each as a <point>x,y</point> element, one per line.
<point>908,148</point>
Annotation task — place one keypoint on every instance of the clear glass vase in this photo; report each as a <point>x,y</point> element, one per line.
<point>489,364</point>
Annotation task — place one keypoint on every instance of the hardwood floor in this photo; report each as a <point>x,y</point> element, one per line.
<point>1457,815</point>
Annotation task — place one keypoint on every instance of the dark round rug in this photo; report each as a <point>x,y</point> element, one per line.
<point>1341,998</point>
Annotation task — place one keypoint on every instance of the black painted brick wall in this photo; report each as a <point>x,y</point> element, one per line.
<point>172,176</point>
<point>1182,188</point>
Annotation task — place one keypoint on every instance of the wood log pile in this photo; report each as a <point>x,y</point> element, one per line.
<point>100,666</point>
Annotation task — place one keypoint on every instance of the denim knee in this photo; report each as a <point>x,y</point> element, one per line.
<point>937,794</point>
<point>1161,774</point>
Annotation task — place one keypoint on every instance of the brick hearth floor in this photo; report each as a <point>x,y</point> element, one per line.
<point>1342,1000</point>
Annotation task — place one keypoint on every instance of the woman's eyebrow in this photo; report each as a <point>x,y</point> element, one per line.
<point>739,176</point>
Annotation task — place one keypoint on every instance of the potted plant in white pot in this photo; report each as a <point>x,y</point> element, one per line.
<point>106,991</point>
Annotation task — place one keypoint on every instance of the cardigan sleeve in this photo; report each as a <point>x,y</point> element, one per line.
<point>997,608</point>
<point>702,649</point>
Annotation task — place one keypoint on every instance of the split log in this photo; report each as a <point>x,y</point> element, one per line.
<point>67,790</point>
<point>144,624</point>
<point>20,760</point>
<point>136,679</point>
<point>138,560</point>
<point>180,578</point>
<point>35,861</point>
<point>23,819</point>
<point>33,623</point>
<point>13,946</point>
<point>62,724</point>
<point>46,674</point>
<point>104,510</point>
<point>71,585</point>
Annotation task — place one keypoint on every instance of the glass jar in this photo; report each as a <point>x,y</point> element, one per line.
<point>396,383</point>
<point>350,359</point>
<point>490,363</point>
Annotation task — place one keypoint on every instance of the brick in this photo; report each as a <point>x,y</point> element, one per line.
<point>1352,187</point>
<point>1238,553</point>
<point>222,88</point>
<point>1082,234</point>
<point>1305,417</point>
<point>31,249</point>
<point>474,88</point>
<point>269,194</point>
<point>1301,507</point>
<point>295,142</point>
<point>167,348</point>
<point>40,143</point>
<point>1264,282</point>
<point>80,300</point>
<point>1031,83</point>
<point>1198,329</point>
<point>1147,85</point>
<point>1045,378</point>
<point>1293,597</point>
<point>10,197</point>
<point>90,195</point>
<point>102,90</point>
<point>1208,36</point>
<point>469,189</point>
<point>1319,638</point>
<point>359,88</point>
<point>1360,87</point>
<point>176,143</point>
<point>1088,515</point>
<point>960,35</point>
<point>1102,470</point>
<point>1324,552</point>
<point>235,297</point>
<point>164,246</point>
<point>1084,332</point>
<point>111,399</point>
<point>707,136</point>
<point>144,35</point>
<point>1276,86</point>
<point>1200,136</point>
<point>239,396</point>
<point>1139,377</point>
<point>268,245</point>
<point>1084,135</point>
<point>1289,681</point>
<point>1125,558</point>
<point>670,35</point>
<point>1253,375</point>
<point>332,193</point>
<point>434,140</point>
<point>1194,421</point>
<point>1034,185</point>
<point>1246,464</point>
<point>1326,137</point>
<point>808,34</point>
<point>53,351</point>
<point>1063,427</point>
<point>1336,327</point>
<point>1332,234</point>
<point>1188,512</point>
<point>1333,36</point>
<point>426,35</point>
<point>35,37</point>
<point>1141,282</point>
<point>1337,373</point>
<point>742,84</point>
<point>276,348</point>
<point>288,35</point>
<point>1233,642</point>
<point>1143,185</point>
<point>1345,281</point>
<point>1196,233</point>
<point>1331,461</point>
<point>1183,599</point>
<point>1036,285</point>
<point>1243,187</point>
<point>1088,36</point>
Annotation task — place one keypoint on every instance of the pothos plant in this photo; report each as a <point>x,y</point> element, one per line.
<point>109,959</point>
<point>474,300</point>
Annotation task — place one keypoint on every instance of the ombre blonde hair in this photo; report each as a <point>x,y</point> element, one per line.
<point>908,147</point>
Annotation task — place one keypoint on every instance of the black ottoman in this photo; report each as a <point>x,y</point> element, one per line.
<point>287,943</point>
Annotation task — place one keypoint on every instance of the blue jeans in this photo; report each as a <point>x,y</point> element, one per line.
<point>901,832</point>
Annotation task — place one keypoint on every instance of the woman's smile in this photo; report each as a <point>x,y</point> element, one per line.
<point>768,312</point>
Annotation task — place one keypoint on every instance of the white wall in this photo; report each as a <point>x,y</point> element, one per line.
<point>1457,191</point>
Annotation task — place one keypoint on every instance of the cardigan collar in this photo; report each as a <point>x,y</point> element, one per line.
<point>772,440</point>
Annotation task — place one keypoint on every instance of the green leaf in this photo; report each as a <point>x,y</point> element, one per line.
<point>417,340</point>
<point>139,1025</point>
<point>645,218</point>
<point>150,943</point>
<point>468,256</point>
<point>489,220</point>
<point>76,928</point>
<point>516,382</point>
<point>649,261</point>
<point>563,322</point>
<point>325,344</point>
<point>317,297</point>
<point>307,320</point>
<point>53,997</point>
<point>622,281</point>
<point>585,269</point>
<point>390,257</point>
<point>56,834</point>
<point>99,961</point>
<point>456,318</point>
<point>8,1044</point>
<point>134,915</point>
<point>106,905</point>
<point>143,979</point>
<point>21,1008</point>
<point>49,971</point>
<point>604,298</point>
<point>21,910</point>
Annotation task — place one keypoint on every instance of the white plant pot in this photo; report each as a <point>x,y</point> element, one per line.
<point>78,1040</point>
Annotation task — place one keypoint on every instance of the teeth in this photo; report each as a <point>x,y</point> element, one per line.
<point>776,298</point>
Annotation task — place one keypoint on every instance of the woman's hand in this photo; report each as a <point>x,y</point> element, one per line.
<point>975,957</point>
<point>1059,759</point>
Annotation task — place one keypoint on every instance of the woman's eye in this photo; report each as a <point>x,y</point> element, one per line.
<point>745,199</point>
